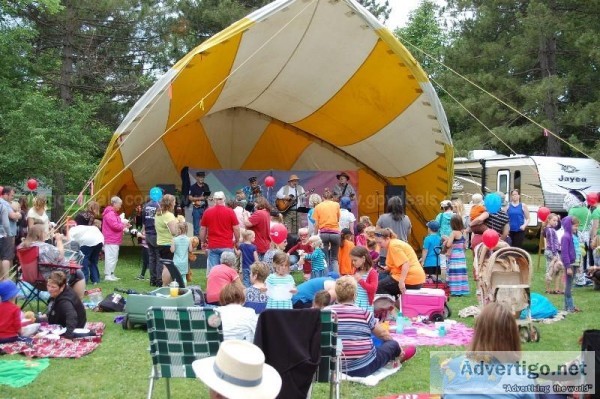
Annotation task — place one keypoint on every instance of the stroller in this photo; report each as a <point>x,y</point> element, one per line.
<point>505,277</point>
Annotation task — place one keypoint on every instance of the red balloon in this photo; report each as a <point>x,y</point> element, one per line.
<point>269,181</point>
<point>490,238</point>
<point>592,199</point>
<point>278,233</point>
<point>32,184</point>
<point>543,213</point>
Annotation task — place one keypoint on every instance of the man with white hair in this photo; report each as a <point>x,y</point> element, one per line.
<point>220,230</point>
<point>112,229</point>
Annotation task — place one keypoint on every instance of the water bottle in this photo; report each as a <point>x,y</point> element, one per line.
<point>399,324</point>
<point>442,331</point>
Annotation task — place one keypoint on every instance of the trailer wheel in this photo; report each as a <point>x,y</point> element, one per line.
<point>436,317</point>
<point>524,334</point>
<point>447,311</point>
<point>535,334</point>
<point>126,323</point>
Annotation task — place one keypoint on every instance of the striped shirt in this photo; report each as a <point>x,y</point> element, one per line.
<point>317,259</point>
<point>497,221</point>
<point>354,329</point>
<point>362,299</point>
<point>284,281</point>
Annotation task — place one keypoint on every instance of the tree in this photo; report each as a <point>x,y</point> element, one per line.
<point>380,10</point>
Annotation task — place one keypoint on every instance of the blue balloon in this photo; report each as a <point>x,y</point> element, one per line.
<point>492,202</point>
<point>156,194</point>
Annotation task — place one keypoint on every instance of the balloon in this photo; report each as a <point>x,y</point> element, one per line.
<point>490,238</point>
<point>156,194</point>
<point>592,199</point>
<point>269,181</point>
<point>278,233</point>
<point>543,213</point>
<point>32,184</point>
<point>492,202</point>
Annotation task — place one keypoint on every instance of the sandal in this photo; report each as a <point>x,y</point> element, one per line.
<point>559,292</point>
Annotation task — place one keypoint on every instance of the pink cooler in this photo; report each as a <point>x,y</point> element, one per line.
<point>425,302</point>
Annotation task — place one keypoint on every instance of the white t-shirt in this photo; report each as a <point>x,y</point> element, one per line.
<point>238,322</point>
<point>86,236</point>
<point>347,219</point>
<point>40,219</point>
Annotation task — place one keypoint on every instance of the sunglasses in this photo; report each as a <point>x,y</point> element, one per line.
<point>378,234</point>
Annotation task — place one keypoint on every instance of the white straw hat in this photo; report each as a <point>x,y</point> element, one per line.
<point>239,372</point>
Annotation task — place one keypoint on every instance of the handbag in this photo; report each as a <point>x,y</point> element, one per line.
<point>112,303</point>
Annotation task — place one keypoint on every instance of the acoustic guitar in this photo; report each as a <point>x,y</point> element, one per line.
<point>284,204</point>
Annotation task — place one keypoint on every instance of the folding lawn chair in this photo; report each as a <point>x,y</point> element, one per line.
<point>30,271</point>
<point>329,366</point>
<point>178,336</point>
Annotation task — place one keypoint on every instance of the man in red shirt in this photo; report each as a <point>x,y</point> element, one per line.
<point>219,231</point>
<point>260,223</point>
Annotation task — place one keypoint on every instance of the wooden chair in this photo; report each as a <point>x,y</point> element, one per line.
<point>178,336</point>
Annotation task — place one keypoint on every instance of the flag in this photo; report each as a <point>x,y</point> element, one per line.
<point>546,132</point>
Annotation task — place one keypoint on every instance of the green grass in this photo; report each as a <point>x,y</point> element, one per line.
<point>119,368</point>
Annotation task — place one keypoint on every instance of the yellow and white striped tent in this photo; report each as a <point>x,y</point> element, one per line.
<point>296,85</point>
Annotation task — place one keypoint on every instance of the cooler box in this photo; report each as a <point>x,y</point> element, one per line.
<point>425,302</point>
<point>137,305</point>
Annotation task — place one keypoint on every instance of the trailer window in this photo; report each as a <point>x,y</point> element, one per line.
<point>502,182</point>
<point>517,181</point>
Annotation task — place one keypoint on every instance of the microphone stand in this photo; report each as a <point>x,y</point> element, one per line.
<point>377,193</point>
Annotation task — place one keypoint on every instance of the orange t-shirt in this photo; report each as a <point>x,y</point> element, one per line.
<point>398,253</point>
<point>476,211</point>
<point>327,215</point>
<point>344,260</point>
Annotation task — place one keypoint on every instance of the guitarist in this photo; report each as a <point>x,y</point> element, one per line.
<point>196,195</point>
<point>293,193</point>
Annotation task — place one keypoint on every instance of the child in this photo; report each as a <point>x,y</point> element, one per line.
<point>372,247</point>
<point>457,264</point>
<point>180,248</point>
<point>429,256</point>
<point>360,238</point>
<point>302,246</point>
<point>317,257</point>
<point>347,218</point>
<point>256,294</point>
<point>366,277</point>
<point>444,217</point>
<point>346,245</point>
<point>281,279</point>
<point>275,247</point>
<point>145,256</point>
<point>313,200</point>
<point>365,220</point>
<point>554,267</point>
<point>10,313</point>
<point>322,299</point>
<point>276,217</point>
<point>249,255</point>
<point>568,256</point>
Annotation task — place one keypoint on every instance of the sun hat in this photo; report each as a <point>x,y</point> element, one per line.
<point>344,174</point>
<point>239,371</point>
<point>293,177</point>
<point>219,195</point>
<point>8,290</point>
<point>346,203</point>
<point>433,226</point>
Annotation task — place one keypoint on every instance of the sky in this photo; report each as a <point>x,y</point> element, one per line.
<point>400,11</point>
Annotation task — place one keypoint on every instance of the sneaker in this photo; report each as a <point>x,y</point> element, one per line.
<point>110,278</point>
<point>408,352</point>
<point>115,278</point>
<point>140,277</point>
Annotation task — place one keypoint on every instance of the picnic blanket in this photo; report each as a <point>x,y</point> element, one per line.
<point>412,396</point>
<point>459,335</point>
<point>46,347</point>
<point>374,378</point>
<point>18,373</point>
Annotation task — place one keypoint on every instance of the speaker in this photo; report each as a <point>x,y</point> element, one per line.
<point>167,188</point>
<point>395,191</point>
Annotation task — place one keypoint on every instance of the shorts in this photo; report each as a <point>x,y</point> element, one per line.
<point>7,248</point>
<point>76,277</point>
<point>554,268</point>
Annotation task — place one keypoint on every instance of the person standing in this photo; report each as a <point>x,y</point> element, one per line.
<point>7,247</point>
<point>292,194</point>
<point>112,230</point>
<point>260,223</point>
<point>327,224</point>
<point>518,219</point>
<point>219,230</point>
<point>197,196</point>
<point>253,191</point>
<point>344,188</point>
<point>149,211</point>
<point>574,203</point>
<point>37,215</point>
<point>90,240</point>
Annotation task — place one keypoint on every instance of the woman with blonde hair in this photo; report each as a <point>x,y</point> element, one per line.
<point>37,215</point>
<point>165,223</point>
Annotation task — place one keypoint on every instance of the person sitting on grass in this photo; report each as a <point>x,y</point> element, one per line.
<point>239,322</point>
<point>256,294</point>
<point>322,300</point>
<point>221,275</point>
<point>360,357</point>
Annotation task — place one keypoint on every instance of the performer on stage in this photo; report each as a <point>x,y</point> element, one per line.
<point>253,191</point>
<point>344,188</point>
<point>289,198</point>
<point>197,196</point>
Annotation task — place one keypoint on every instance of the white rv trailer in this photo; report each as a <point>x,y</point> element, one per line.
<point>542,181</point>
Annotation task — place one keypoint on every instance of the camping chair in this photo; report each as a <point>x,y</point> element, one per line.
<point>30,272</point>
<point>178,336</point>
<point>329,366</point>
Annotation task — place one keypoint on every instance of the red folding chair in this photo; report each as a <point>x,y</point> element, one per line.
<point>30,272</point>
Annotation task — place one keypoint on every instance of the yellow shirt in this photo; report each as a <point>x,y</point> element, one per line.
<point>327,215</point>
<point>398,253</point>
<point>163,235</point>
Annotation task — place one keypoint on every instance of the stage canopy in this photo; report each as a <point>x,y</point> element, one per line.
<point>297,85</point>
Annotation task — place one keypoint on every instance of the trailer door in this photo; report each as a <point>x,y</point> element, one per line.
<point>503,182</point>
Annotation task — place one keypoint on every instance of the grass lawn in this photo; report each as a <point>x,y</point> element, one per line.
<point>120,367</point>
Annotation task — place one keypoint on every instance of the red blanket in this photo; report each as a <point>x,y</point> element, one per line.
<point>44,347</point>
<point>412,396</point>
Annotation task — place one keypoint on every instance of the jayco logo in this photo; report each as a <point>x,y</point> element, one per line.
<point>570,179</point>
<point>568,168</point>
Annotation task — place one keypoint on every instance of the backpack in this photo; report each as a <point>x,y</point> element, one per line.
<point>112,303</point>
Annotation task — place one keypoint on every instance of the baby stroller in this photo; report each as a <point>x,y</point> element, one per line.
<point>505,277</point>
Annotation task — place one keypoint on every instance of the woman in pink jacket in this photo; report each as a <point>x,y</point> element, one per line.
<point>112,229</point>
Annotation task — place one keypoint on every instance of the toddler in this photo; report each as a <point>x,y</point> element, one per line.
<point>302,246</point>
<point>281,280</point>
<point>372,247</point>
<point>317,257</point>
<point>247,250</point>
<point>360,238</point>
<point>322,299</point>
<point>10,313</point>
<point>346,245</point>
<point>365,220</point>
<point>429,257</point>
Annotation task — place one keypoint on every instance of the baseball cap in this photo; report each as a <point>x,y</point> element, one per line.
<point>219,195</point>
<point>433,225</point>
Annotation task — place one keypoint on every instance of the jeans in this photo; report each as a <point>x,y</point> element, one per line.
<point>196,218</point>
<point>153,256</point>
<point>214,257</point>
<point>293,259</point>
<point>331,247</point>
<point>569,305</point>
<point>317,273</point>
<point>144,261</point>
<point>246,277</point>
<point>387,351</point>
<point>517,238</point>
<point>89,265</point>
